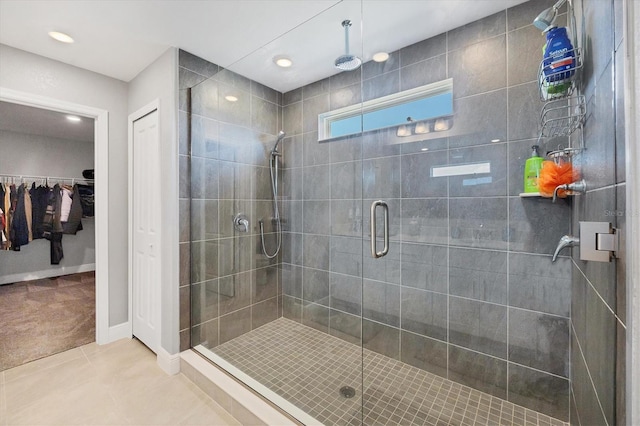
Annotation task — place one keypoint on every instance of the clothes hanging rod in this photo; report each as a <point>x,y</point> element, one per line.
<point>24,178</point>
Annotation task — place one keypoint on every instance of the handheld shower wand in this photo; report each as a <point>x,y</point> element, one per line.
<point>273,171</point>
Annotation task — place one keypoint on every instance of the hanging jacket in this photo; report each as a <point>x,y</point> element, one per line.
<point>39,198</point>
<point>74,220</point>
<point>19,226</point>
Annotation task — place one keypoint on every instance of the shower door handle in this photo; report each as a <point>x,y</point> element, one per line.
<point>374,250</point>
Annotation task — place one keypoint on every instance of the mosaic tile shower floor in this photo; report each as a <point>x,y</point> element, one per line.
<point>308,368</point>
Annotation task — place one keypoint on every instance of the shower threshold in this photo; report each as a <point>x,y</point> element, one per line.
<point>303,370</point>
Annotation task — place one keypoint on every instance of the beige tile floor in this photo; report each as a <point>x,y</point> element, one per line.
<point>115,384</point>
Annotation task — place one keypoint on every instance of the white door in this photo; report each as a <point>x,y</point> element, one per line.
<point>146,234</point>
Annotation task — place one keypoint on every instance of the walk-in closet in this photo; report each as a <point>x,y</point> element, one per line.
<point>47,233</point>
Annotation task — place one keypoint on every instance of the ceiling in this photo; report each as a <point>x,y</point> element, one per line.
<point>120,38</point>
<point>43,122</point>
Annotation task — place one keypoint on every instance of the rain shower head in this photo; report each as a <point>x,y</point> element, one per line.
<point>544,21</point>
<point>347,62</point>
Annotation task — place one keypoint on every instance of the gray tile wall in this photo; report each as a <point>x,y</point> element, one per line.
<point>598,296</point>
<point>223,161</point>
<point>467,290</point>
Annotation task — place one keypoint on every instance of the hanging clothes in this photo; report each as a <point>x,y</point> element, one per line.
<point>39,198</point>
<point>87,199</point>
<point>52,225</point>
<point>3,221</point>
<point>73,223</point>
<point>19,227</point>
<point>28,211</point>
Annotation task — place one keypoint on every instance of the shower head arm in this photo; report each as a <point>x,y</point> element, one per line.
<point>346,24</point>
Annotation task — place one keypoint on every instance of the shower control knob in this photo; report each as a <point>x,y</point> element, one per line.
<point>241,222</point>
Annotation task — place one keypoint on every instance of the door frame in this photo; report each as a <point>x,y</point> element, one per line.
<point>145,110</point>
<point>101,167</point>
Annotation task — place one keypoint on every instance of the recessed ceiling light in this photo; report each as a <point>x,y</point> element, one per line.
<point>424,149</point>
<point>73,118</point>
<point>495,140</point>
<point>283,61</point>
<point>62,37</point>
<point>231,98</point>
<point>380,56</point>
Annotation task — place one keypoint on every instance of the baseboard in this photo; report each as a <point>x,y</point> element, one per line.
<point>120,331</point>
<point>170,364</point>
<point>47,273</point>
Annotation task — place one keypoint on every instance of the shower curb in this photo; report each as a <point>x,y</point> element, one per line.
<point>242,403</point>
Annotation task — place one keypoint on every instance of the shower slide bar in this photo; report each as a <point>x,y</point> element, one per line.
<point>374,249</point>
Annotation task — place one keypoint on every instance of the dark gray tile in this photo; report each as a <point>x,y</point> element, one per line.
<point>380,338</point>
<point>316,251</point>
<point>476,31</point>
<point>424,313</point>
<point>204,260</point>
<point>424,353</point>
<point>345,96</point>
<point>292,118</point>
<point>380,143</point>
<point>204,301</point>
<point>204,220</point>
<point>234,292</point>
<point>619,96</point>
<point>204,178</point>
<point>315,286</point>
<point>344,79</point>
<point>417,181</point>
<point>235,255</point>
<point>479,119</point>
<point>261,188</point>
<point>234,80</point>
<point>185,264</point>
<point>315,316</point>
<point>314,152</point>
<point>317,182</point>
<point>621,260</point>
<point>346,293</point>
<point>264,312</point>
<point>424,72</point>
<point>345,326</point>
<point>579,286</point>
<point>291,276</point>
<point>381,302</point>
<point>242,144</point>
<point>395,219</point>
<point>478,222</point>
<point>524,111</point>
<point>262,211</point>
<point>524,54</point>
<point>600,351</point>
<point>185,339</point>
<point>346,149</point>
<point>346,218</point>
<point>385,268</point>
<point>235,324</point>
<point>587,404</point>
<point>381,85</point>
<point>346,255</point>
<point>184,220</point>
<point>291,148</point>
<point>536,225</point>
<point>188,79</point>
<point>479,326</point>
<point>316,88</point>
<point>422,50</point>
<point>481,372</point>
<point>424,267</point>
<point>478,274</point>
<point>204,97</point>
<point>205,334</point>
<point>184,300</point>
<point>372,69</point>
<point>264,116</point>
<point>538,391</point>
<point>292,96</point>
<point>292,248</point>
<point>381,178</point>
<point>598,46</point>
<point>184,180</point>
<point>233,112</point>
<point>291,216</point>
<point>539,341</point>
<point>425,220</point>
<point>204,137</point>
<point>479,67</point>
<point>489,184</point>
<point>539,285</point>
<point>346,180</point>
<point>183,133</point>
<point>621,374</point>
<point>316,217</point>
<point>292,308</point>
<point>292,183</point>
<point>264,284</point>
<point>311,108</point>
<point>266,93</point>
<point>196,64</point>
<point>235,181</point>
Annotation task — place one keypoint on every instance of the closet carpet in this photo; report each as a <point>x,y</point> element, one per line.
<point>43,317</point>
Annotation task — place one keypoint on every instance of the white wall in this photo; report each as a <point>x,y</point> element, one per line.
<point>159,81</point>
<point>26,72</point>
<point>36,155</point>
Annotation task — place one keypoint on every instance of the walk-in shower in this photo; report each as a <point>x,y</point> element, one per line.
<point>461,318</point>
<point>273,174</point>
